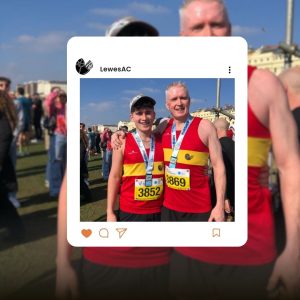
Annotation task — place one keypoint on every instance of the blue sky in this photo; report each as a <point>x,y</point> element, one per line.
<point>34,33</point>
<point>106,101</point>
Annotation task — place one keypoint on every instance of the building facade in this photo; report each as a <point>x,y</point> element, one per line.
<point>210,114</point>
<point>100,127</point>
<point>42,87</point>
<point>270,58</point>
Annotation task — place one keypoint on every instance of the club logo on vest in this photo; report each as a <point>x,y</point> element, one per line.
<point>188,156</point>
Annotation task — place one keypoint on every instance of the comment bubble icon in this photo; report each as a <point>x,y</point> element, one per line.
<point>104,233</point>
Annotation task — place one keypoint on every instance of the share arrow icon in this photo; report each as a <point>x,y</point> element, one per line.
<point>121,231</point>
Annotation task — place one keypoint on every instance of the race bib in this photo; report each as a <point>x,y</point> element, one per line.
<point>147,193</point>
<point>178,179</point>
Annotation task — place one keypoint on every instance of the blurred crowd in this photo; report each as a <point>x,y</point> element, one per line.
<point>29,119</point>
<point>94,143</point>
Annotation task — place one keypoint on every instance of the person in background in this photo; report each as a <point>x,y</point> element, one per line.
<point>37,113</point>
<point>23,105</point>
<point>290,79</point>
<point>92,142</point>
<point>85,193</point>
<point>9,217</point>
<point>97,142</point>
<point>5,86</point>
<point>55,108</point>
<point>103,145</point>
<point>227,145</point>
<point>124,128</point>
<point>108,156</point>
<point>60,111</point>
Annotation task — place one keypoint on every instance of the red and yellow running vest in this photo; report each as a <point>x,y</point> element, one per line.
<point>134,168</point>
<point>193,155</point>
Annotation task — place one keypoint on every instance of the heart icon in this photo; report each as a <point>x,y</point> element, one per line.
<point>86,232</point>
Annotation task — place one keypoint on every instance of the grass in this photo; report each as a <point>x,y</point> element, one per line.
<point>28,269</point>
<point>96,209</point>
<point>33,194</point>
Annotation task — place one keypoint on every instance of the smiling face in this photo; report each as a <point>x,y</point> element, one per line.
<point>178,102</point>
<point>143,119</point>
<point>204,18</point>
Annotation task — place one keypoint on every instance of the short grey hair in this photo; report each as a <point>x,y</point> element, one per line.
<point>178,83</point>
<point>185,3</point>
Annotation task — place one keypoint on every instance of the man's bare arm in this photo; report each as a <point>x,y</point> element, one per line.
<point>118,138</point>
<point>208,135</point>
<point>273,111</point>
<point>66,278</point>
<point>114,183</point>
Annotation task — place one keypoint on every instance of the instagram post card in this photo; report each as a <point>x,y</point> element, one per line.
<point>157,143</point>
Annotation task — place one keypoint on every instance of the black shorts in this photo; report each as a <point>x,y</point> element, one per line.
<point>129,217</point>
<point>111,283</point>
<point>192,279</point>
<point>169,215</point>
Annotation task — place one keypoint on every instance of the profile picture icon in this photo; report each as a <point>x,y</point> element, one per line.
<point>82,67</point>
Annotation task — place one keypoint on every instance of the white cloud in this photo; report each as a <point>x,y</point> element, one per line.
<point>240,30</point>
<point>148,8</point>
<point>131,92</point>
<point>143,90</point>
<point>109,12</point>
<point>25,38</point>
<point>48,42</point>
<point>98,26</point>
<point>198,101</point>
<point>101,106</point>
<point>102,112</point>
<point>150,90</point>
<point>5,46</point>
<point>14,72</point>
<point>132,9</point>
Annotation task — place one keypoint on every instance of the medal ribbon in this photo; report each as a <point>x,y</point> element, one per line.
<point>149,162</point>
<point>176,144</point>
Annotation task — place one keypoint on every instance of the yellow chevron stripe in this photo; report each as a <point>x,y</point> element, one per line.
<point>258,149</point>
<point>195,158</point>
<point>140,170</point>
